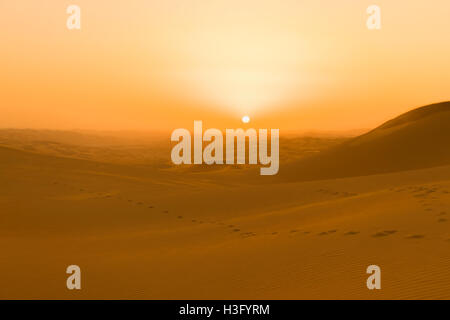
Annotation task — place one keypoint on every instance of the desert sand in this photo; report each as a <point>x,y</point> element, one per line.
<point>142,229</point>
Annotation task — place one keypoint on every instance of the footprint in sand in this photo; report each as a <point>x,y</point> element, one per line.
<point>324,233</point>
<point>379,234</point>
<point>166,211</point>
<point>443,213</point>
<point>150,207</point>
<point>351,233</point>
<point>293,231</point>
<point>442,220</point>
<point>248,234</point>
<point>415,236</point>
<point>384,233</point>
<point>236,230</point>
<point>180,217</point>
<point>274,233</point>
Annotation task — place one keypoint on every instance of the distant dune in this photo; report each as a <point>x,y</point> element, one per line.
<point>414,140</point>
<point>144,149</point>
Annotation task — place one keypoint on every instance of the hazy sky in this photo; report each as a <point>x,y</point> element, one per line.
<point>288,64</point>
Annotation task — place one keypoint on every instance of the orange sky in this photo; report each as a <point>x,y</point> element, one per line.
<point>152,65</point>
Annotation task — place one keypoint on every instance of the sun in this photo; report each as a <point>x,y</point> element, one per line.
<point>245,119</point>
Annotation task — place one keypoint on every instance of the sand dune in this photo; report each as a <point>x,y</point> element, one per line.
<point>146,232</point>
<point>415,140</point>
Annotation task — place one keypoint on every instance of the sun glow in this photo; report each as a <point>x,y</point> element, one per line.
<point>238,70</point>
<point>160,64</point>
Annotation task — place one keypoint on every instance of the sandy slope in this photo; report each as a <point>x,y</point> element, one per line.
<point>163,232</point>
<point>415,140</point>
<point>147,233</point>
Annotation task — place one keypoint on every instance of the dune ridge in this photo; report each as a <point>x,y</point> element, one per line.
<point>415,140</point>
